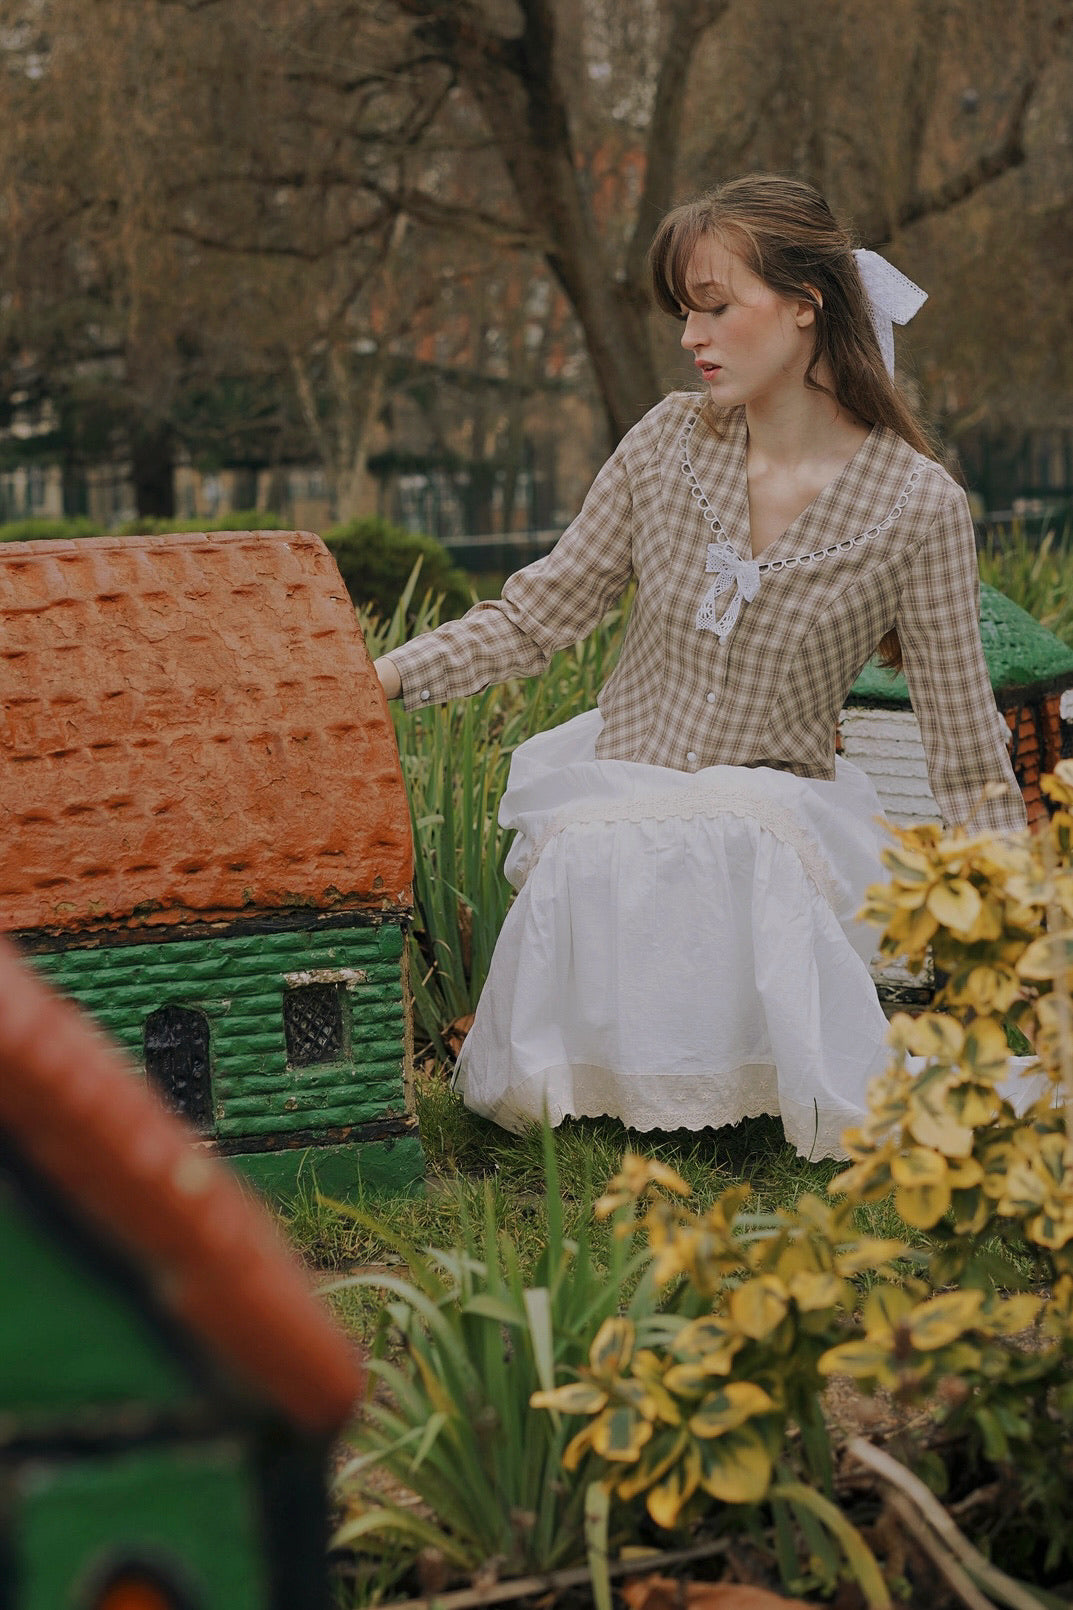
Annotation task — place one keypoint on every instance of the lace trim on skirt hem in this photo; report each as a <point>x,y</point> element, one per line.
<point>644,1102</point>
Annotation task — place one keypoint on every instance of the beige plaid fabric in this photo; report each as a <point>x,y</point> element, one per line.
<point>770,692</point>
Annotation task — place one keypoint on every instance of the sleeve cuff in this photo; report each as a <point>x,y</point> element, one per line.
<point>415,665</point>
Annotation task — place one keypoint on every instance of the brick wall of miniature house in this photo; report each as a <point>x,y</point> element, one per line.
<point>237,982</point>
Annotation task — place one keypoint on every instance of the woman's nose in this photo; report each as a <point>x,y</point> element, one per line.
<point>691,335</point>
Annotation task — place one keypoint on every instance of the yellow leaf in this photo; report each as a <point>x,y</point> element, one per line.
<point>863,1360</point>
<point>1006,1316</point>
<point>729,1407</point>
<point>1050,956</point>
<point>1050,1230</point>
<point>955,904</point>
<point>941,1132</point>
<point>918,1166</point>
<point>971,1210</point>
<point>868,1254</point>
<point>666,1500</point>
<point>923,1206</point>
<point>690,1380</point>
<point>759,1306</point>
<point>911,927</point>
<point>620,1433</point>
<point>942,1319</point>
<point>989,989</point>
<point>964,1172</point>
<point>652,1465</point>
<point>736,1469</point>
<point>975,1104</point>
<point>577,1448</point>
<point>611,1347</point>
<point>934,1034</point>
<point>703,1335</point>
<point>576,1398</point>
<point>812,1289</point>
<point>866,1181</point>
<point>909,865</point>
<point>885,1308</point>
<point>985,1050</point>
<point>1058,785</point>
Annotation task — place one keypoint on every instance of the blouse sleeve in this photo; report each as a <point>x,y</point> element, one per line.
<point>546,606</point>
<point>939,627</point>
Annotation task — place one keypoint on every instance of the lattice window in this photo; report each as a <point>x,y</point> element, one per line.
<point>313,1024</point>
<point>178,1062</point>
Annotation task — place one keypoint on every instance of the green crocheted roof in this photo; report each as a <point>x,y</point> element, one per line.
<point>1020,653</point>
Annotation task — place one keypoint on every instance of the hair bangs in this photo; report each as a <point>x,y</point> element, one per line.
<point>671,253</point>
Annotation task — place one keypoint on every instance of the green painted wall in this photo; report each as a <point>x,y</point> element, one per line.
<point>192,1507</point>
<point>237,981</point>
<point>69,1340</point>
<point>394,1166</point>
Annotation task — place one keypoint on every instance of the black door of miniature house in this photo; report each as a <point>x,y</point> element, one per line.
<point>205,840</point>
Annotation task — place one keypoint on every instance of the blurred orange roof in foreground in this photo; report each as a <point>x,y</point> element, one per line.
<point>190,730</point>
<point>212,1255</point>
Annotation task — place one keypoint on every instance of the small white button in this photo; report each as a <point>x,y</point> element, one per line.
<point>691,756</point>
<point>425,694</point>
<point>710,698</point>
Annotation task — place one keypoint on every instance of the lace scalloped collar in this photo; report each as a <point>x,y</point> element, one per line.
<point>744,575</point>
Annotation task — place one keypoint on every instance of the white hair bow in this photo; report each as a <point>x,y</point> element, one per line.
<point>892,296</point>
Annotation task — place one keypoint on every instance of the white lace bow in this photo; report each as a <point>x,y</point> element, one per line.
<point>729,570</point>
<point>893,298</point>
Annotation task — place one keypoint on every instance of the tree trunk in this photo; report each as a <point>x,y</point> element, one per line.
<point>152,470</point>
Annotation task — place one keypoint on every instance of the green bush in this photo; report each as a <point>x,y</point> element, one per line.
<point>231,520</point>
<point>141,526</point>
<point>375,559</point>
<point>49,530</point>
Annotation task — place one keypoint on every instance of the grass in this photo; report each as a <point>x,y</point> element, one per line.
<point>1036,572</point>
<point>468,1156</point>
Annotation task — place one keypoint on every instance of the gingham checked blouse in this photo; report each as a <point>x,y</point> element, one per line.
<point>727,661</point>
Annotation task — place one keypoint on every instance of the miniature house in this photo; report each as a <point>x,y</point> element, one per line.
<point>1032,675</point>
<point>168,1381</point>
<point>205,840</point>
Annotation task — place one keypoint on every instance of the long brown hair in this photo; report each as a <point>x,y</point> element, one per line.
<point>784,231</point>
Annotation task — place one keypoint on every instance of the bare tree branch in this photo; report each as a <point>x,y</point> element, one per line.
<point>685,21</point>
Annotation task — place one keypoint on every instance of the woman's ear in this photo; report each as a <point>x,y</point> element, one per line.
<point>806,307</point>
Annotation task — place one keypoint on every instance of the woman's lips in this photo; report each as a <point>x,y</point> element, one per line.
<point>709,370</point>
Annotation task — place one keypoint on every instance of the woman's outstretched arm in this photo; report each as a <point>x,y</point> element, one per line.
<point>939,627</point>
<point>549,605</point>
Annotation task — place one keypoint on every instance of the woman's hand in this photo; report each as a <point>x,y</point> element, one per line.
<point>390,680</point>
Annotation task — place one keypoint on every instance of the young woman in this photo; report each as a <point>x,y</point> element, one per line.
<point>691,856</point>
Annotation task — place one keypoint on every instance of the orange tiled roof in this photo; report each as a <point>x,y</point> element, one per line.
<point>190,730</point>
<point>126,1166</point>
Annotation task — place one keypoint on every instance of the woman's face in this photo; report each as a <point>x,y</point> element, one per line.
<point>750,345</point>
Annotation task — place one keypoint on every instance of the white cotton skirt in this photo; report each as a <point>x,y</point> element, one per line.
<point>684,949</point>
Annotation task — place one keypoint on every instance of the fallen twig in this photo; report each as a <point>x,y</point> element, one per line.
<point>551,1581</point>
<point>1002,1587</point>
<point>956,1579</point>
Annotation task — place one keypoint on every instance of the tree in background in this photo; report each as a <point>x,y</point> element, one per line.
<point>274,231</point>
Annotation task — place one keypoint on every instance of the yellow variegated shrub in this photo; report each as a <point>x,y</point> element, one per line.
<point>719,1399</point>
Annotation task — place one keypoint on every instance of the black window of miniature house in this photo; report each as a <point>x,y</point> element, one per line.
<point>313,1024</point>
<point>178,1064</point>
